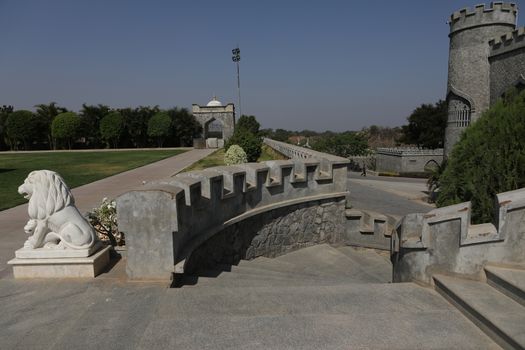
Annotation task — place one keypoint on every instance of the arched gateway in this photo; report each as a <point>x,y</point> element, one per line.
<point>212,114</point>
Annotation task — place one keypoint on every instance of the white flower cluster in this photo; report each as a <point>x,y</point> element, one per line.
<point>235,155</point>
<point>104,220</point>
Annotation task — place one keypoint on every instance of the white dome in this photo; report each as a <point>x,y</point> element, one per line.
<point>214,103</point>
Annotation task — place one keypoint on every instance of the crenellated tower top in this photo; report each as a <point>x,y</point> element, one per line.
<point>502,13</point>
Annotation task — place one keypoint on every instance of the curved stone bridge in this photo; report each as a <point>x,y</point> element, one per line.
<point>166,221</point>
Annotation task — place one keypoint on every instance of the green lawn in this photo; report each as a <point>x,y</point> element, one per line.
<point>77,168</point>
<point>217,158</point>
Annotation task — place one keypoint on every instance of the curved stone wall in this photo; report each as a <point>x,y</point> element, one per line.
<point>270,234</point>
<point>167,220</point>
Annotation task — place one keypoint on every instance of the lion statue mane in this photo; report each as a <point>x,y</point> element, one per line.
<point>54,220</point>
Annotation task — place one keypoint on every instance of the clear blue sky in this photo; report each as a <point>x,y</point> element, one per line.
<point>336,65</point>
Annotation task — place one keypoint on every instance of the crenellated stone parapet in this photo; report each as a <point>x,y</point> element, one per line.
<point>369,229</point>
<point>508,42</point>
<point>165,221</point>
<point>444,240</point>
<point>481,15</point>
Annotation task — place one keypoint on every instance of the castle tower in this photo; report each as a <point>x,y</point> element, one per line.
<point>468,88</point>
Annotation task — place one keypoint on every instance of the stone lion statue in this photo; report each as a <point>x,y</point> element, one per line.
<point>54,220</point>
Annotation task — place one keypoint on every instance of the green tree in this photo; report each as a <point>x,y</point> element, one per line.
<point>249,123</point>
<point>20,129</point>
<point>382,136</point>
<point>136,122</point>
<point>159,127</point>
<point>111,127</point>
<point>426,126</point>
<point>45,114</point>
<point>488,159</point>
<point>344,144</point>
<point>91,116</point>
<point>277,135</point>
<point>4,113</point>
<point>184,127</point>
<point>249,142</point>
<point>282,135</point>
<point>66,128</point>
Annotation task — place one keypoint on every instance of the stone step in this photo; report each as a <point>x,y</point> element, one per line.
<point>248,270</point>
<point>318,317</point>
<point>370,262</point>
<point>327,261</point>
<point>237,280</point>
<point>287,268</point>
<point>274,265</point>
<point>365,255</point>
<point>498,316</point>
<point>508,280</point>
<point>359,266</point>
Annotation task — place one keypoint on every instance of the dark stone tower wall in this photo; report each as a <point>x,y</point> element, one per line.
<point>468,89</point>
<point>507,63</point>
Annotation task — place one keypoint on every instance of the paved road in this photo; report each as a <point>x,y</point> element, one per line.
<point>88,196</point>
<point>388,195</point>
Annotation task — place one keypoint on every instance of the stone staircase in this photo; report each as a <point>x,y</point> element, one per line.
<point>316,265</point>
<point>496,305</point>
<point>324,296</point>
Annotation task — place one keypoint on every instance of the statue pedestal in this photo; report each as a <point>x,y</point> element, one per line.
<point>48,265</point>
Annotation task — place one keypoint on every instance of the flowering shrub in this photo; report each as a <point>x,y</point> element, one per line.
<point>235,155</point>
<point>104,220</point>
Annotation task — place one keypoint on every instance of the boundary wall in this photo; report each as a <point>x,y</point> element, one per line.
<point>407,160</point>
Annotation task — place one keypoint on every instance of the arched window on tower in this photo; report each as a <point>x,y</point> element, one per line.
<point>459,111</point>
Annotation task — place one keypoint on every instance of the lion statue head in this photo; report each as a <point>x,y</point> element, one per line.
<point>47,193</point>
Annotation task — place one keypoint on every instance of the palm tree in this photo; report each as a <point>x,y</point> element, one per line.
<point>46,113</point>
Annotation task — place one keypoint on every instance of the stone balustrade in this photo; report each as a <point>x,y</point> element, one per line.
<point>298,152</point>
<point>445,241</point>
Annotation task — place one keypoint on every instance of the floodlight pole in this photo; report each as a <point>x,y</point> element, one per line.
<point>237,58</point>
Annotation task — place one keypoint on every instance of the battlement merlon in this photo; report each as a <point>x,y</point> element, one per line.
<point>508,42</point>
<point>501,13</point>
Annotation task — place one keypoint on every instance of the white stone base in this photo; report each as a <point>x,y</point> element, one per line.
<point>51,253</point>
<point>86,267</point>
